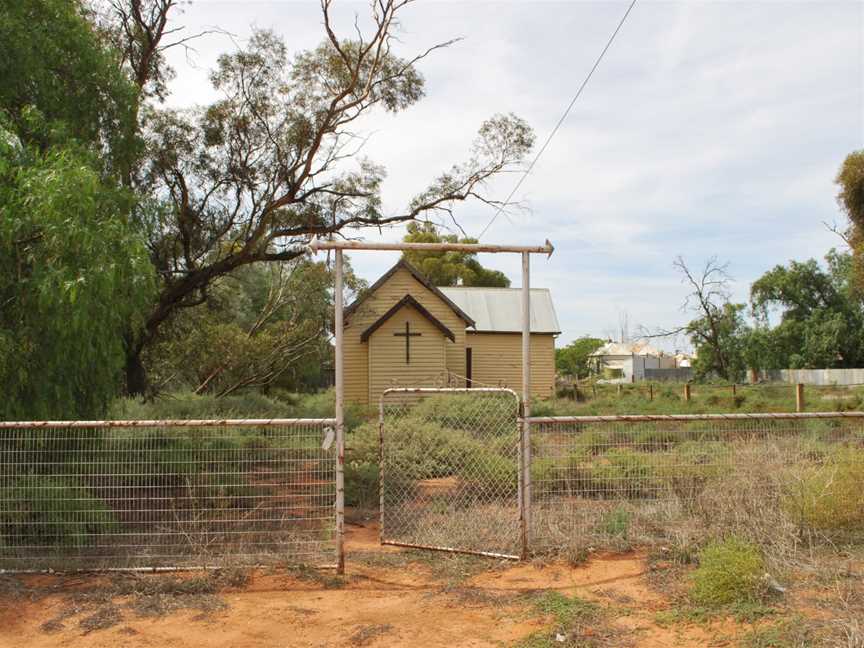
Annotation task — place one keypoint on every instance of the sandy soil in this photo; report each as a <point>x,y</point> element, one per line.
<point>381,606</point>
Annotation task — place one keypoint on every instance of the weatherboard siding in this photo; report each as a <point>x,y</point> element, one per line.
<point>387,366</point>
<point>357,367</point>
<point>496,360</point>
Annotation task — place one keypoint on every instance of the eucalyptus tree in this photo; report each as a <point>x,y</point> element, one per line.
<point>277,159</point>
<point>449,268</point>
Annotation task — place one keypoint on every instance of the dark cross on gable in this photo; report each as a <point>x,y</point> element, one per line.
<point>407,335</point>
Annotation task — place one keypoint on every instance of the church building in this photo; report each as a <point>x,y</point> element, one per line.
<point>405,332</point>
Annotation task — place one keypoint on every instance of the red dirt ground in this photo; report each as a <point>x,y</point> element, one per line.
<point>381,607</point>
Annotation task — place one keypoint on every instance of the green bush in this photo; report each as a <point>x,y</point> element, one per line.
<point>616,523</point>
<point>248,404</point>
<point>730,572</point>
<point>488,476</point>
<point>489,414</point>
<point>361,484</point>
<point>829,497</point>
<point>624,473</point>
<point>51,511</point>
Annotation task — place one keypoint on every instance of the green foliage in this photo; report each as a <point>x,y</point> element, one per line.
<point>828,496</point>
<point>489,475</point>
<point>730,572</point>
<point>850,197</point>
<point>467,411</point>
<point>622,472</point>
<point>616,523</point>
<point>719,343</point>
<point>73,275</point>
<point>821,315</point>
<point>574,359</point>
<point>51,511</point>
<point>449,268</point>
<point>62,83</point>
<point>248,404</point>
<point>263,327</point>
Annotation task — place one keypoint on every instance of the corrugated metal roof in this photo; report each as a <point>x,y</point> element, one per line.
<point>500,309</point>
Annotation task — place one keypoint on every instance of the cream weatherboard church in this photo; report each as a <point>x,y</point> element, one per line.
<point>405,332</point>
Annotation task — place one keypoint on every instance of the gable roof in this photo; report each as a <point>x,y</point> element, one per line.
<point>499,310</point>
<point>407,300</point>
<point>403,264</point>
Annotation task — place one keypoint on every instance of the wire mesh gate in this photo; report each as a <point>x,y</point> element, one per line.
<point>450,477</point>
<point>165,494</point>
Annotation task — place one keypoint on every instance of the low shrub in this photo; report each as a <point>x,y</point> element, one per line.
<point>486,414</point>
<point>829,497</point>
<point>730,572</point>
<point>361,484</point>
<point>488,476</point>
<point>624,473</point>
<point>616,523</point>
<point>51,511</point>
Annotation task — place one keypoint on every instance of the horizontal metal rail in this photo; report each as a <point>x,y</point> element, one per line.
<point>168,423</point>
<point>635,418</point>
<point>448,390</point>
<point>317,244</point>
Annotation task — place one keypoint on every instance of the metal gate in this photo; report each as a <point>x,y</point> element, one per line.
<point>167,494</point>
<point>450,470</point>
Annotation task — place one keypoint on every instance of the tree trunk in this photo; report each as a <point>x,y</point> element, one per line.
<point>136,374</point>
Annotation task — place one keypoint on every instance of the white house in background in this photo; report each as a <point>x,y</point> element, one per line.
<point>627,361</point>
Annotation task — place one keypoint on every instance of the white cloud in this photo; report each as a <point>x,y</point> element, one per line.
<point>710,128</point>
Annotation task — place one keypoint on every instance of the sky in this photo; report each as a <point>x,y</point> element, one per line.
<point>709,129</point>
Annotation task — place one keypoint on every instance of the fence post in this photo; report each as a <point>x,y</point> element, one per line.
<point>686,392</point>
<point>650,392</point>
<point>340,415</point>
<point>799,397</point>
<point>526,404</point>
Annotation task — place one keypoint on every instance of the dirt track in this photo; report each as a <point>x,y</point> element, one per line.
<point>378,605</point>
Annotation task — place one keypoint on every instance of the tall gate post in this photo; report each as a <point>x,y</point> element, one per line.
<point>340,415</point>
<point>526,405</point>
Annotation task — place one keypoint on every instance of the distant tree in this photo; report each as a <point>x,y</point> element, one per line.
<point>719,330</point>
<point>850,179</point>
<point>73,275</point>
<point>276,159</point>
<point>264,326</point>
<point>449,268</point>
<point>821,314</point>
<point>574,359</point>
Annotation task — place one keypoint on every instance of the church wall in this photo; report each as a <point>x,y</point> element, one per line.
<point>395,288</point>
<point>497,361</point>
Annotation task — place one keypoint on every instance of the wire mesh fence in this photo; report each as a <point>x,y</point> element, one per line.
<point>156,494</point>
<point>777,478</point>
<point>450,469</point>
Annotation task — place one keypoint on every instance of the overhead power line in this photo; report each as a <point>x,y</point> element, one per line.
<point>560,121</point>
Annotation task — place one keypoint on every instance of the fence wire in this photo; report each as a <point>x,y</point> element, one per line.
<point>450,470</point>
<point>606,481</point>
<point>155,494</point>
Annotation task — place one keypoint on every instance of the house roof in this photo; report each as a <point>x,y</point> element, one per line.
<point>407,300</point>
<point>499,310</point>
<point>403,264</point>
<point>627,348</point>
